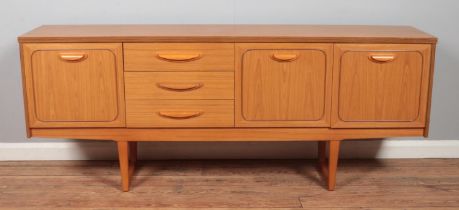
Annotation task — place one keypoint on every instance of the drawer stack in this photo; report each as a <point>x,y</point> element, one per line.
<point>179,84</point>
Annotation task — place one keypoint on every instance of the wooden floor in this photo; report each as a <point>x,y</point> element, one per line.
<point>225,184</point>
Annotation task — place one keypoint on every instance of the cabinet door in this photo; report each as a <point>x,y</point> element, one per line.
<point>74,85</point>
<point>380,85</point>
<point>283,85</point>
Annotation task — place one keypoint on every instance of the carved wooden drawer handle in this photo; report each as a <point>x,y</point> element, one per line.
<point>284,57</point>
<point>179,57</point>
<point>180,86</point>
<point>382,58</point>
<point>180,115</point>
<point>74,57</point>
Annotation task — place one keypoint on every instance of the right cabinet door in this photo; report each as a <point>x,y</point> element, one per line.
<point>380,86</point>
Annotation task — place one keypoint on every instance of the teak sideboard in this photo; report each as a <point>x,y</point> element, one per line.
<point>131,83</point>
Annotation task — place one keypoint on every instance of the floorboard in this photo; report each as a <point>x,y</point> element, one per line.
<point>229,184</point>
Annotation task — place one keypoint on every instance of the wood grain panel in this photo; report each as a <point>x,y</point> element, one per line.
<point>72,90</point>
<point>381,93</point>
<point>26,103</point>
<point>180,113</point>
<point>229,33</point>
<point>73,85</point>
<point>429,97</point>
<point>225,134</point>
<point>283,85</point>
<point>179,57</point>
<point>179,85</point>
<point>284,91</point>
<point>373,91</point>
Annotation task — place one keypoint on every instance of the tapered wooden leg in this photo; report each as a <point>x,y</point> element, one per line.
<point>123,157</point>
<point>332,163</point>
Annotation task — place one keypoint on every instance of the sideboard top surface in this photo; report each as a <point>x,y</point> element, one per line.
<point>227,33</point>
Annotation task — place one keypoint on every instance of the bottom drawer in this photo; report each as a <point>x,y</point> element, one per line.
<point>180,113</point>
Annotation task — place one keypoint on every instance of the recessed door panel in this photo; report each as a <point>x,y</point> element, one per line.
<point>75,85</point>
<point>381,86</point>
<point>284,85</point>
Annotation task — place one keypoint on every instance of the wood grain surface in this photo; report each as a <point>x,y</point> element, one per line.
<point>241,184</point>
<point>179,85</point>
<point>227,33</point>
<point>291,90</point>
<point>179,113</point>
<point>224,134</point>
<point>179,57</point>
<point>380,93</point>
<point>292,93</point>
<point>74,85</point>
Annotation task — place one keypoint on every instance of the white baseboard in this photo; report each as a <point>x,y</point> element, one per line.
<point>88,150</point>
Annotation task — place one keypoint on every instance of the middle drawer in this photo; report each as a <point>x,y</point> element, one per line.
<point>179,85</point>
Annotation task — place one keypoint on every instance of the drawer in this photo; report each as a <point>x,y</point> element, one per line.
<point>179,57</point>
<point>179,85</point>
<point>180,113</point>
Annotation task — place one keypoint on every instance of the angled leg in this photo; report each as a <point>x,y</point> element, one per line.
<point>328,165</point>
<point>332,163</point>
<point>123,157</point>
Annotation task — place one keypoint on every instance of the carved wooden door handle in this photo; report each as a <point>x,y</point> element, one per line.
<point>175,57</point>
<point>74,57</point>
<point>180,86</point>
<point>382,58</point>
<point>180,115</point>
<point>284,57</point>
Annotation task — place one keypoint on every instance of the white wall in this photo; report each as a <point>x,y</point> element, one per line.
<point>436,17</point>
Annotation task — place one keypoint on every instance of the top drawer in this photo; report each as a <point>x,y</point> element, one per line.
<point>179,57</point>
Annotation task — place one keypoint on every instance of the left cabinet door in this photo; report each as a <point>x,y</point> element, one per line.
<point>74,85</point>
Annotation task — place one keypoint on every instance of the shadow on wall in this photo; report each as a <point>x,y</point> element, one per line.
<point>445,99</point>
<point>107,150</point>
